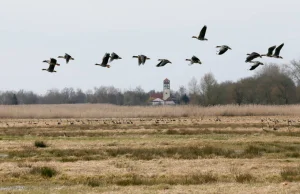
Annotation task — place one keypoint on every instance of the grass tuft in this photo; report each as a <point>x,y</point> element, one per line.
<point>40,144</point>
<point>46,172</point>
<point>290,173</point>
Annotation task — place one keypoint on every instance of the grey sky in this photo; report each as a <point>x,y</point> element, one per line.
<point>35,30</point>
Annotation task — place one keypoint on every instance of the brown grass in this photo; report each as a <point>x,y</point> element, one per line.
<point>155,155</point>
<point>112,111</point>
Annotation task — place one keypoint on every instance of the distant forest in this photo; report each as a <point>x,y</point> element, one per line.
<point>271,84</point>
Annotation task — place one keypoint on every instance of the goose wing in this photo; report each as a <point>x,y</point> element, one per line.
<point>195,59</point>
<point>254,66</point>
<point>51,67</point>
<point>162,62</point>
<point>53,61</point>
<point>222,50</point>
<point>270,50</point>
<point>252,56</point>
<point>67,57</point>
<point>278,49</point>
<point>143,59</point>
<point>203,32</point>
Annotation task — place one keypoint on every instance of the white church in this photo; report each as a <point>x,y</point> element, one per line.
<point>165,97</point>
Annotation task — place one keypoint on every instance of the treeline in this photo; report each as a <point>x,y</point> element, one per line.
<point>271,84</point>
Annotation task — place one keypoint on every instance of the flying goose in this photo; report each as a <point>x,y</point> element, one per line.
<point>223,49</point>
<point>270,52</point>
<point>193,60</point>
<point>202,34</point>
<point>252,56</point>
<point>50,68</point>
<point>114,56</point>
<point>163,62</point>
<point>277,51</point>
<point>141,59</point>
<point>255,64</point>
<point>105,61</point>
<point>67,57</point>
<point>52,61</point>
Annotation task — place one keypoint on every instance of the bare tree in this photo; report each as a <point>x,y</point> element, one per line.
<point>293,70</point>
<point>209,89</point>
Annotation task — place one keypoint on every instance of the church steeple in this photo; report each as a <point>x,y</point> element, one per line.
<point>166,89</point>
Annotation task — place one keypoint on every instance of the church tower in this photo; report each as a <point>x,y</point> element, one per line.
<point>167,90</point>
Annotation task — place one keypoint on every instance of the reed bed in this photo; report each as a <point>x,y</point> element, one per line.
<point>113,111</point>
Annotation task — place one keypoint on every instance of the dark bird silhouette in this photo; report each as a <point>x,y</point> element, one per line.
<point>52,61</point>
<point>141,59</point>
<point>105,61</point>
<point>163,62</point>
<point>193,60</point>
<point>223,49</point>
<point>201,34</point>
<point>114,56</point>
<point>270,52</point>
<point>277,51</point>
<point>252,56</point>
<point>67,57</point>
<point>50,68</point>
<point>255,65</point>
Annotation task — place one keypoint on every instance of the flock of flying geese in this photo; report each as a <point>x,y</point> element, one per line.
<point>162,62</point>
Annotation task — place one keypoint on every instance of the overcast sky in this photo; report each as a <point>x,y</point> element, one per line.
<point>35,30</point>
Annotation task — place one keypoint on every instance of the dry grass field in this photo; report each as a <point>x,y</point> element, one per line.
<point>111,149</point>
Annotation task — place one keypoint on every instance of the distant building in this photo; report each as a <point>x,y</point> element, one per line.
<point>167,90</point>
<point>163,98</point>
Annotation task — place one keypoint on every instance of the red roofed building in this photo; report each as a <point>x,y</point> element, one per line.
<point>156,95</point>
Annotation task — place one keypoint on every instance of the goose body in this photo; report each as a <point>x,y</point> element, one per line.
<point>202,33</point>
<point>223,49</point>
<point>193,60</point>
<point>163,62</point>
<point>67,57</point>
<point>277,51</point>
<point>105,61</point>
<point>252,56</point>
<point>141,59</point>
<point>255,65</point>
<point>114,56</point>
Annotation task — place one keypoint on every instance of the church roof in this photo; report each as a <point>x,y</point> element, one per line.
<point>167,81</point>
<point>156,95</point>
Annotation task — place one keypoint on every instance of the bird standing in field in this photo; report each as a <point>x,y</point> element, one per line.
<point>223,49</point>
<point>163,62</point>
<point>277,51</point>
<point>67,57</point>
<point>252,56</point>
<point>193,60</point>
<point>52,61</point>
<point>114,56</point>
<point>270,52</point>
<point>255,64</point>
<point>141,59</point>
<point>105,61</point>
<point>202,34</point>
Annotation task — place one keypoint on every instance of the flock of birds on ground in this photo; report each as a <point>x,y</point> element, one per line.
<point>162,62</point>
<point>266,123</point>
